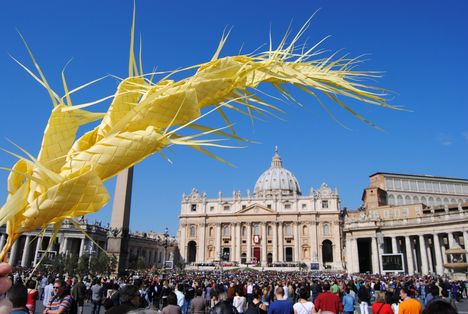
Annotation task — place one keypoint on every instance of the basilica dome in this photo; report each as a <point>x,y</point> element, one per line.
<point>277,180</point>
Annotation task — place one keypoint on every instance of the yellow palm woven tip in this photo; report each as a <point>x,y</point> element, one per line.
<point>65,181</point>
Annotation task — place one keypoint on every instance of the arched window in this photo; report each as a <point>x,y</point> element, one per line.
<point>326,229</point>
<point>399,200</point>
<point>430,201</point>
<point>415,199</point>
<point>327,251</point>
<point>391,199</point>
<point>438,201</point>
<point>193,231</point>
<point>305,230</point>
<point>407,200</point>
<point>226,231</point>
<point>305,252</point>
<point>210,232</point>
<point>423,200</point>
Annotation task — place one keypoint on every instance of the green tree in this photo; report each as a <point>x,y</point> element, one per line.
<point>71,264</point>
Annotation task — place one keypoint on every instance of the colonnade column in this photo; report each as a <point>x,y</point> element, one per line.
<point>264,244</point>
<point>280,242</point>
<point>2,241</point>
<point>275,242</point>
<point>438,255</point>
<point>38,247</point>
<point>430,265</point>
<point>375,257</point>
<point>355,255</point>
<point>249,242</point>
<point>394,245</point>
<point>13,253</point>
<point>25,257</point>
<point>423,252</point>
<point>450,239</point>
<point>349,256</point>
<point>82,244</point>
<point>63,245</point>
<point>409,255</point>
<point>465,242</point>
<point>232,233</point>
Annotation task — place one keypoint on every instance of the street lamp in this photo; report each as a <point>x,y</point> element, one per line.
<point>166,236</point>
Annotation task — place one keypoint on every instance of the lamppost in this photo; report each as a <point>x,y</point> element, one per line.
<point>166,236</point>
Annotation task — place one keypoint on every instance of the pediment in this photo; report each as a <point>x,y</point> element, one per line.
<point>255,209</point>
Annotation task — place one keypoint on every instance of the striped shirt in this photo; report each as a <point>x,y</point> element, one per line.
<point>56,302</point>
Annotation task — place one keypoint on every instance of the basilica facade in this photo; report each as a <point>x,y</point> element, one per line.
<point>275,225</point>
<point>415,217</point>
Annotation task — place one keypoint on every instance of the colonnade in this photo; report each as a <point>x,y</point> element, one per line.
<point>423,252</point>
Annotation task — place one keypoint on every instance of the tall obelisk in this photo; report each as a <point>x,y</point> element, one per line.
<point>117,241</point>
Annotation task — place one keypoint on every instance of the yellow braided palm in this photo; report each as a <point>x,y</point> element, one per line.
<point>66,179</point>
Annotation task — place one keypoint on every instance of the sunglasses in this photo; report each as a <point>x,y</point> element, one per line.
<point>57,287</point>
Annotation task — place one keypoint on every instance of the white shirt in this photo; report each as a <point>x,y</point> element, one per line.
<point>303,308</point>
<point>249,289</point>
<point>239,303</point>
<point>47,294</point>
<point>180,298</point>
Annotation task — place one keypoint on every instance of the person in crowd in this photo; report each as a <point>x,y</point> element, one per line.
<point>223,307</point>
<point>48,292</point>
<point>303,305</point>
<point>43,284</point>
<point>328,301</point>
<point>18,296</point>
<point>408,304</point>
<point>381,305</point>
<point>180,295</point>
<point>97,296</point>
<point>129,300</point>
<point>60,302</point>
<point>33,295</point>
<point>239,301</point>
<point>172,307</point>
<point>78,293</point>
<point>281,305</point>
<point>257,306</point>
<point>198,303</point>
<point>348,302</point>
<point>439,306</point>
<point>364,295</point>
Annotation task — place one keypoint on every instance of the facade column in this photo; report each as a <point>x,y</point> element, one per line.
<point>232,234</point>
<point>239,242</point>
<point>423,252</point>
<point>438,255</point>
<point>465,242</point>
<point>218,242</point>
<point>13,253</point>
<point>182,243</point>
<point>25,257</point>
<point>275,242</point>
<point>394,245</point>
<point>375,257</point>
<point>313,241</point>
<point>409,255</point>
<point>349,256</point>
<point>296,241</point>
<point>63,245</point>
<point>2,241</point>
<point>202,243</point>
<point>281,243</point>
<point>249,242</point>
<point>264,244</point>
<point>82,244</point>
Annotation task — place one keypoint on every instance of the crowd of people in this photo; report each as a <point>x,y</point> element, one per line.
<point>236,291</point>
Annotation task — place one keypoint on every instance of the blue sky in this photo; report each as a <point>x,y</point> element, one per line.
<point>420,45</point>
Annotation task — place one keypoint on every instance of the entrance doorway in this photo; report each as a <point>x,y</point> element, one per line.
<point>191,251</point>
<point>256,254</point>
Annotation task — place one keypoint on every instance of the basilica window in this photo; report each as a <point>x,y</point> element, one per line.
<point>324,204</point>
<point>244,231</point>
<point>304,206</point>
<point>193,207</point>
<point>211,208</point>
<point>226,231</point>
<point>305,230</point>
<point>287,206</point>
<point>326,229</point>
<point>269,231</point>
<point>227,207</point>
<point>256,229</point>
<point>193,231</point>
<point>210,232</point>
<point>288,230</point>
<point>269,206</point>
